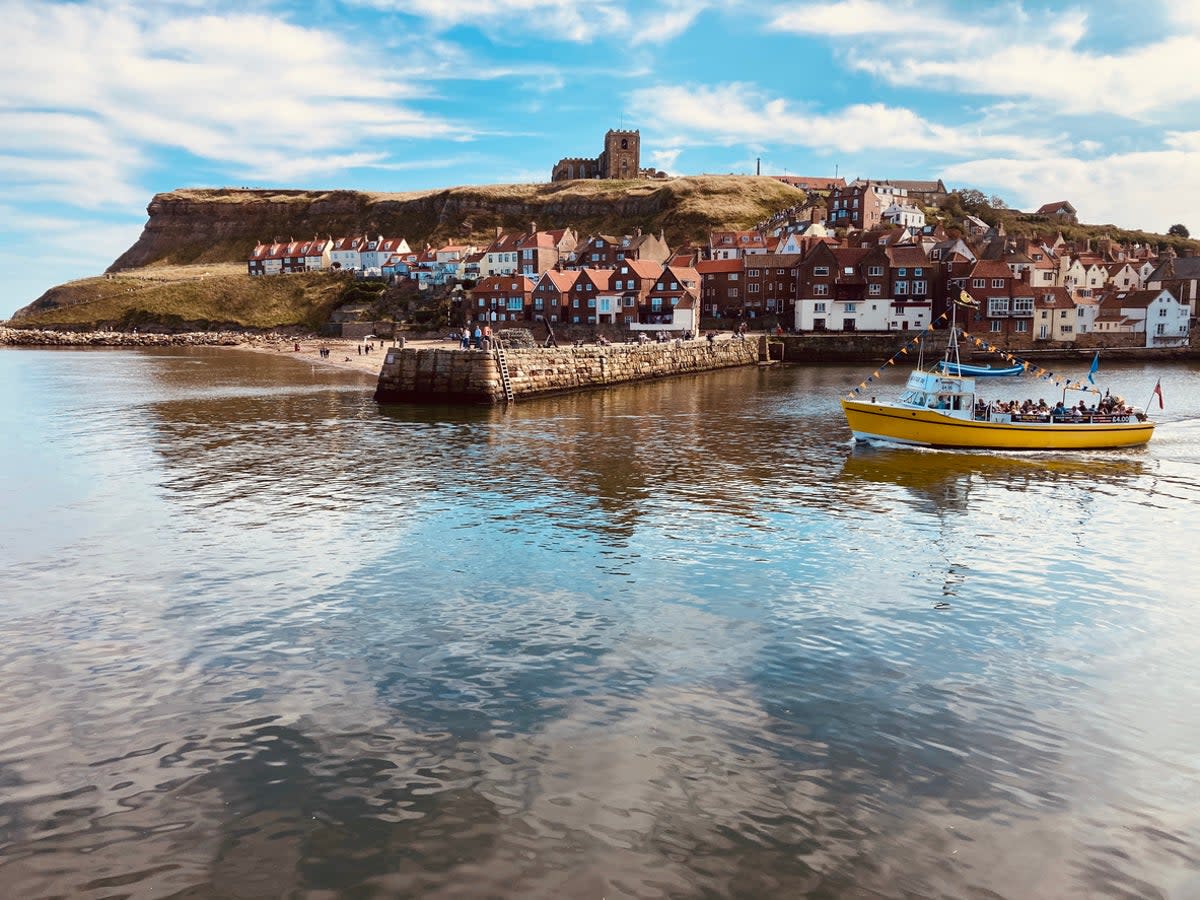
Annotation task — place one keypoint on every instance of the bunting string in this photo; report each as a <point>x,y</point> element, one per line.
<point>903,351</point>
<point>1036,371</point>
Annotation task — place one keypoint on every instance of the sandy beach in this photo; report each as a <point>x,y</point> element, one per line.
<point>358,356</point>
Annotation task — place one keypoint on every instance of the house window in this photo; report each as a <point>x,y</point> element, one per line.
<point>591,302</point>
<point>920,287</point>
<point>629,301</point>
<point>753,288</point>
<point>996,325</point>
<point>917,272</point>
<point>818,307</point>
<point>997,306</point>
<point>753,273</point>
<point>732,277</point>
<point>820,271</point>
<point>733,292</point>
<point>1067,329</point>
<point>537,303</point>
<point>848,270</point>
<point>1160,328</point>
<point>978,282</point>
<point>902,272</point>
<point>874,290</point>
<point>875,271</point>
<point>1023,306</point>
<point>901,287</point>
<point>1162,310</point>
<point>1062,314</point>
<point>656,303</point>
<point>1022,326</point>
<point>575,303</point>
<point>851,307</point>
<point>997,282</point>
<point>516,303</point>
<point>820,290</point>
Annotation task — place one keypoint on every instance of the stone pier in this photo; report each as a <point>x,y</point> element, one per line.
<point>473,376</point>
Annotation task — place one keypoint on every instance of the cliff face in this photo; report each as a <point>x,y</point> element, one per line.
<point>222,225</point>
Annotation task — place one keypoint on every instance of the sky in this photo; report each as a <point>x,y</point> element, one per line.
<point>105,103</point>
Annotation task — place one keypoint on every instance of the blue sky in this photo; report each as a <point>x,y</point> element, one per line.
<point>106,103</point>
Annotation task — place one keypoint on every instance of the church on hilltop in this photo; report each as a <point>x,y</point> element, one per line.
<point>620,159</point>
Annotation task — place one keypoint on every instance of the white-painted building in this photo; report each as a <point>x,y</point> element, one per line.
<point>346,253</point>
<point>1153,313</point>
<point>904,215</point>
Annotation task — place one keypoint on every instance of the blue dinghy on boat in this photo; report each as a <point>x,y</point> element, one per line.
<point>951,368</point>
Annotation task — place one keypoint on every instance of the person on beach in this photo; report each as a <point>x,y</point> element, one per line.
<point>478,338</point>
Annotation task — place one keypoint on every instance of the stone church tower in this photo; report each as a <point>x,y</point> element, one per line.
<point>621,158</point>
<point>622,154</point>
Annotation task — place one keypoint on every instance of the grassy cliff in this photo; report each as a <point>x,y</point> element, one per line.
<point>188,263</point>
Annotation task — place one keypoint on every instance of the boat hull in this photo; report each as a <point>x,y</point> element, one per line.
<point>930,428</point>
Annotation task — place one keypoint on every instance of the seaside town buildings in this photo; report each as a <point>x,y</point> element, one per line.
<point>884,269</point>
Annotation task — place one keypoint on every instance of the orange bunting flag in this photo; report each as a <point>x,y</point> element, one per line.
<point>903,349</point>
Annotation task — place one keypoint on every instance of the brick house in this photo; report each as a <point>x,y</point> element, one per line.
<point>721,287</point>
<point>552,294</point>
<point>770,285</point>
<point>501,298</point>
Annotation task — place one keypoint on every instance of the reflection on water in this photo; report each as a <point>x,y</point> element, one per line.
<point>263,637</point>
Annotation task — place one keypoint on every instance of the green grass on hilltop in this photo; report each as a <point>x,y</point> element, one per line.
<point>181,296</point>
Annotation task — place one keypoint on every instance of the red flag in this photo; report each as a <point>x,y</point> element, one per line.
<point>1158,390</point>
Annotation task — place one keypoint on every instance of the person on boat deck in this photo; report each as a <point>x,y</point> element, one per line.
<point>942,402</point>
<point>1059,409</point>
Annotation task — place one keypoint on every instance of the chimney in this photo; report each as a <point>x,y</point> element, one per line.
<point>533,227</point>
<point>499,230</point>
<point>638,231</point>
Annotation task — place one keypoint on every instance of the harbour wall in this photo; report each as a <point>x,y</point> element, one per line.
<point>473,376</point>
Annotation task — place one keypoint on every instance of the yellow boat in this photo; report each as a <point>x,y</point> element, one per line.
<point>939,410</point>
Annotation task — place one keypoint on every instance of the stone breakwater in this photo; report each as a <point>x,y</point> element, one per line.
<point>474,376</point>
<point>21,337</point>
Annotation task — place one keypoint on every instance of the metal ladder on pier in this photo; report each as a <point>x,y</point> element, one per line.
<point>505,378</point>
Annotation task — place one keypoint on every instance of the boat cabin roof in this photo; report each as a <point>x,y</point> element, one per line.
<point>940,383</point>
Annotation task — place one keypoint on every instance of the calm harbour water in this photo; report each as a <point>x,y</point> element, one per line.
<point>261,637</point>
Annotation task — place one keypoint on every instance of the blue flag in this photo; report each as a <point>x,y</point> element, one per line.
<point>1095,367</point>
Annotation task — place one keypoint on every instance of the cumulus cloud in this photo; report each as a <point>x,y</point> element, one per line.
<point>1002,50</point>
<point>743,114</point>
<point>254,95</point>
<point>1111,188</point>
<point>565,19</point>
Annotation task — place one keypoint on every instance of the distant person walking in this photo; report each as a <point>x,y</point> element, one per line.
<point>478,338</point>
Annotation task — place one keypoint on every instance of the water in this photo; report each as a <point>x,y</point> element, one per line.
<point>260,637</point>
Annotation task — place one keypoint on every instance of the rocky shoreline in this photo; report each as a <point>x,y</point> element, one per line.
<point>36,337</point>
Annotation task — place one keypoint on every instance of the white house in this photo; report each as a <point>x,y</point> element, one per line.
<point>907,216</point>
<point>872,314</point>
<point>346,253</point>
<point>1153,313</point>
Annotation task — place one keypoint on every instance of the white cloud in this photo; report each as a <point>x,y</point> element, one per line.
<point>255,95</point>
<point>666,159</point>
<point>658,25</point>
<point>1107,189</point>
<point>565,19</point>
<point>1004,51</point>
<point>742,114</point>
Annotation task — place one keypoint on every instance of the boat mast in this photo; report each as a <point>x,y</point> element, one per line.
<point>952,342</point>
